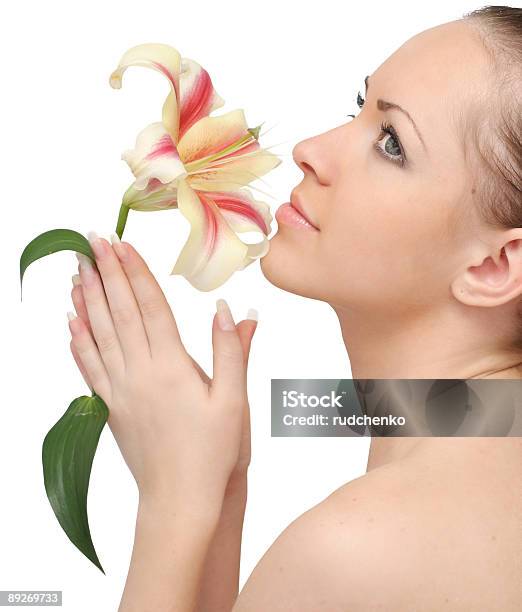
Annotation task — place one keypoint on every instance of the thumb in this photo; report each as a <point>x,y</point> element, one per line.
<point>246,330</point>
<point>229,364</point>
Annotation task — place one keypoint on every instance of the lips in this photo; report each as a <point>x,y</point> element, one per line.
<point>296,203</point>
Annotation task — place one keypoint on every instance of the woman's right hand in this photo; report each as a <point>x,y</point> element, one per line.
<point>246,330</point>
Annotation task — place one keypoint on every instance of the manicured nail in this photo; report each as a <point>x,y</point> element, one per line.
<point>71,315</point>
<point>97,245</point>
<point>252,314</point>
<point>119,247</point>
<point>85,262</point>
<point>76,280</point>
<point>87,273</point>
<point>224,316</point>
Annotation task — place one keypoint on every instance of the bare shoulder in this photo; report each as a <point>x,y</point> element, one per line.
<point>438,531</point>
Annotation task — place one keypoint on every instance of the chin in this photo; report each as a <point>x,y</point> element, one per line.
<point>280,269</point>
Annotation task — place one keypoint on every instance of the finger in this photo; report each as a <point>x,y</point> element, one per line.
<point>228,358</point>
<point>79,302</point>
<point>81,311</point>
<point>246,330</point>
<point>102,326</point>
<point>89,356</point>
<point>158,319</point>
<point>80,365</point>
<point>121,300</point>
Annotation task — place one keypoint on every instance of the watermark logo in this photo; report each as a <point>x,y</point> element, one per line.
<point>396,407</point>
<point>296,399</point>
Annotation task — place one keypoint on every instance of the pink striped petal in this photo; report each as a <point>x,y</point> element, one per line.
<point>198,98</point>
<point>213,252</point>
<point>222,154</point>
<point>154,157</point>
<point>237,172</point>
<point>212,138</point>
<point>164,59</point>
<point>241,211</point>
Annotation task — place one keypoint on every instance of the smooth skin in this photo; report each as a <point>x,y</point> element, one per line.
<point>185,438</point>
<point>435,523</point>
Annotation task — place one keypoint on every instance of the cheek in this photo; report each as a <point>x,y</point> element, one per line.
<point>383,243</point>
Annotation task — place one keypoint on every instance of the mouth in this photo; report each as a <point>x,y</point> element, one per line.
<point>292,213</point>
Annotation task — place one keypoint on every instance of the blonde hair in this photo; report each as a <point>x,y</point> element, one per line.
<point>497,137</point>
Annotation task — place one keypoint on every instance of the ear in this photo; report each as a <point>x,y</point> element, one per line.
<point>497,277</point>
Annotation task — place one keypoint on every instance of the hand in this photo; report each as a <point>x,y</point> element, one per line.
<point>179,432</point>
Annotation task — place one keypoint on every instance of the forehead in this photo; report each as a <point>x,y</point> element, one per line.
<point>439,76</point>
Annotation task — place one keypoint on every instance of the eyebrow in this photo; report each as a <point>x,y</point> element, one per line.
<point>384,105</point>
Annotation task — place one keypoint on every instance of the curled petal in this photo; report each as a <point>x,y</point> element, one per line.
<point>212,252</point>
<point>154,157</point>
<point>241,211</point>
<point>156,196</point>
<point>166,60</point>
<point>255,251</point>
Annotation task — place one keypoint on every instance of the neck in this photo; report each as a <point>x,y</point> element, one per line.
<point>388,450</point>
<point>427,346</point>
<point>424,346</point>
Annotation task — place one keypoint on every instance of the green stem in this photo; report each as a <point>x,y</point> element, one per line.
<point>122,220</point>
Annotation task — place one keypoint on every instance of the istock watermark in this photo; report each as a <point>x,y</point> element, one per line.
<point>396,407</point>
<point>294,399</point>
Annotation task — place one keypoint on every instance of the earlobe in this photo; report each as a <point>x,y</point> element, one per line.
<point>495,281</point>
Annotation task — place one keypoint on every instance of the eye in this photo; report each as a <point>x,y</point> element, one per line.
<point>392,145</point>
<point>392,149</point>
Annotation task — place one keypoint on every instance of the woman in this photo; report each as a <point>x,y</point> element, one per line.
<point>424,198</point>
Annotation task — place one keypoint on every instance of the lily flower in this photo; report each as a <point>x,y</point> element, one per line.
<point>200,165</point>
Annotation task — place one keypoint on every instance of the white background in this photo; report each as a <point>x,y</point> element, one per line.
<point>297,67</point>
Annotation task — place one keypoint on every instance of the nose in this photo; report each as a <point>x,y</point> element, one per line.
<point>312,158</point>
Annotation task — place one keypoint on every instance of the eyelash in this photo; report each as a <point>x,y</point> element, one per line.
<point>386,128</point>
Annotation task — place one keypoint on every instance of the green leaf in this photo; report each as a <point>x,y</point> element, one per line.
<point>67,455</point>
<point>51,242</point>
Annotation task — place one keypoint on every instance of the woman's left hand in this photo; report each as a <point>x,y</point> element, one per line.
<point>179,432</point>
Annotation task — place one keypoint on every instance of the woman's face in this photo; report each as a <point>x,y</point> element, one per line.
<point>393,212</point>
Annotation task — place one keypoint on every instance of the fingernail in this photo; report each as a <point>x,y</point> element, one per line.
<point>119,247</point>
<point>87,273</point>
<point>71,315</point>
<point>97,245</point>
<point>252,314</point>
<point>85,261</point>
<point>224,316</point>
<point>76,280</point>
